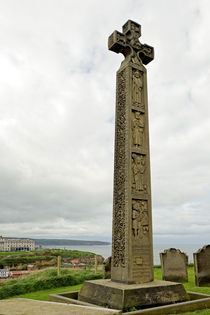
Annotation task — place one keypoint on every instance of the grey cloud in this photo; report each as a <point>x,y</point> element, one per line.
<point>57,115</point>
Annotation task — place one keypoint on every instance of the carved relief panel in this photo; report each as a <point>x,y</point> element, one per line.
<point>137,89</point>
<point>140,219</point>
<point>138,171</point>
<point>137,125</point>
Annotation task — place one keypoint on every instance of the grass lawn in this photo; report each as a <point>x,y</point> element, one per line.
<point>13,253</point>
<point>44,294</point>
<point>190,286</point>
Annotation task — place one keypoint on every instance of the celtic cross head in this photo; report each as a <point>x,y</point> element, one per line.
<point>129,45</point>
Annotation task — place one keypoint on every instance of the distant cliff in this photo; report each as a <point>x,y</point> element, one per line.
<point>65,242</point>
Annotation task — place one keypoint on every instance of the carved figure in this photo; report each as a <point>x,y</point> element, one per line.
<point>138,129</point>
<point>137,88</point>
<point>138,167</point>
<point>136,216</point>
<point>140,223</point>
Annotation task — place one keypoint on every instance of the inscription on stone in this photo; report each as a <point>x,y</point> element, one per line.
<point>139,261</point>
<point>202,266</point>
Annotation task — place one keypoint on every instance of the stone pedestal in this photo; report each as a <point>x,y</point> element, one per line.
<point>115,295</point>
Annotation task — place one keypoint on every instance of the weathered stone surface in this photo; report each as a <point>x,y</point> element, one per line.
<point>132,249</point>
<point>174,265</point>
<point>115,295</point>
<point>132,275</point>
<point>107,268</point>
<point>31,307</point>
<point>202,266</point>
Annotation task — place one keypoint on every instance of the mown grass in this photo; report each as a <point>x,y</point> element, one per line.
<point>43,295</point>
<point>13,253</point>
<point>201,312</point>
<point>189,286</point>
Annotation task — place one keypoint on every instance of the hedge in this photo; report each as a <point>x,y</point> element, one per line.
<point>54,282</point>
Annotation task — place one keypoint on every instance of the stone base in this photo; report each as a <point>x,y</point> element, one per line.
<point>120,296</point>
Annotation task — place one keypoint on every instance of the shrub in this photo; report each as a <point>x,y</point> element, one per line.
<point>74,278</point>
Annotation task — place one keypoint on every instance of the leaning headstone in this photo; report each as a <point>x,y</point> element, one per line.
<point>202,266</point>
<point>174,265</point>
<point>132,279</point>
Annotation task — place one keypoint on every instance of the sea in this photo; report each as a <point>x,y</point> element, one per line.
<point>105,250</point>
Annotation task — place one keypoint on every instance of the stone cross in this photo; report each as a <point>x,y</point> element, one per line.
<point>131,283</point>
<point>132,249</point>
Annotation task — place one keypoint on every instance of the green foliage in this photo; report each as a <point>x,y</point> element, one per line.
<point>46,280</point>
<point>129,309</point>
<point>189,286</point>
<point>81,275</point>
<point>14,253</point>
<point>70,253</point>
<point>17,258</point>
<point>43,295</point>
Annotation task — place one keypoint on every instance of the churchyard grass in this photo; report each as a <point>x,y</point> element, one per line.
<point>205,312</point>
<point>43,295</point>
<point>189,286</point>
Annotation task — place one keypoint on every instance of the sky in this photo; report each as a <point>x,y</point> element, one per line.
<point>57,112</point>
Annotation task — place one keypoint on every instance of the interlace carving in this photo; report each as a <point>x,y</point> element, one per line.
<point>119,176</point>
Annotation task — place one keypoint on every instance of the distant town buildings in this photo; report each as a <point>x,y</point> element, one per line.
<point>4,273</point>
<point>16,244</point>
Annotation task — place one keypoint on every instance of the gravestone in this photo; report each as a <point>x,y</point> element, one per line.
<point>174,265</point>
<point>132,277</point>
<point>107,268</point>
<point>202,266</point>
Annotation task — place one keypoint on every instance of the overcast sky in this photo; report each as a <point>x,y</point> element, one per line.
<point>57,107</point>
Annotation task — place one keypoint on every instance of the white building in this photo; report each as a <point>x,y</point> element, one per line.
<point>4,273</point>
<point>16,244</point>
